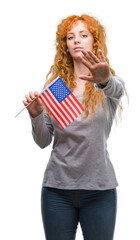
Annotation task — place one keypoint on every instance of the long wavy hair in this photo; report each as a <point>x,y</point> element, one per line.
<point>63,62</point>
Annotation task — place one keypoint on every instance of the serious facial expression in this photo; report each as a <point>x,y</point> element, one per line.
<point>78,38</point>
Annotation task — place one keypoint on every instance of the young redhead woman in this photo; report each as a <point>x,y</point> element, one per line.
<point>79,183</point>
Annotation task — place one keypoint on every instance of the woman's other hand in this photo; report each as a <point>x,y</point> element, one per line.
<point>36,107</point>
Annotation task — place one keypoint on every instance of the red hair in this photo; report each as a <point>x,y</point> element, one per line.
<point>63,62</point>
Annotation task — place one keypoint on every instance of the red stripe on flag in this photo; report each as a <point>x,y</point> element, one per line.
<point>58,107</point>
<point>79,104</point>
<point>75,114</point>
<point>72,102</point>
<point>53,108</point>
<point>50,111</point>
<point>68,112</point>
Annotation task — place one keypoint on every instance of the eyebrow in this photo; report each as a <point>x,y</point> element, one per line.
<point>80,32</point>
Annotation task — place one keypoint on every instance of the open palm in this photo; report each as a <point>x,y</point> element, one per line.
<point>99,70</point>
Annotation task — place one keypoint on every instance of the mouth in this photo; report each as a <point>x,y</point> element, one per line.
<point>78,49</point>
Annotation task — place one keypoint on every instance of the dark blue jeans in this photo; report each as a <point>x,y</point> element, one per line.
<point>62,210</point>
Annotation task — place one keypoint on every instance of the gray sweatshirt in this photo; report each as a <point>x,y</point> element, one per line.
<point>79,158</point>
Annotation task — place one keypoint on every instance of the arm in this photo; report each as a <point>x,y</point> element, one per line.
<point>42,129</point>
<point>114,88</point>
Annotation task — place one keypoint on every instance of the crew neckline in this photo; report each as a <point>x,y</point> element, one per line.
<point>79,95</point>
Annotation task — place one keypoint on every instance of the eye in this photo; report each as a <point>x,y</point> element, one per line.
<point>69,38</point>
<point>84,35</point>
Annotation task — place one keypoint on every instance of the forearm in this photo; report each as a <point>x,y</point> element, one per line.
<point>114,88</point>
<point>42,130</point>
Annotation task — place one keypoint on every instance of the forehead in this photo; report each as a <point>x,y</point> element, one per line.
<point>77,26</point>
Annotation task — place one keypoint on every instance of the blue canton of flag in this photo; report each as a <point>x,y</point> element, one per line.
<point>59,90</point>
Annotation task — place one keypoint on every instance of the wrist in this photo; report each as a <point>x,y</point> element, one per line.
<point>34,115</point>
<point>103,84</point>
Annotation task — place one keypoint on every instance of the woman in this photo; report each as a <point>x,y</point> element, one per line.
<point>79,183</point>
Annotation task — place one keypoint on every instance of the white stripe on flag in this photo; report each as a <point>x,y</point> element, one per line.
<point>66,106</point>
<point>53,111</point>
<point>72,98</point>
<point>67,100</point>
<point>55,107</point>
<point>68,116</point>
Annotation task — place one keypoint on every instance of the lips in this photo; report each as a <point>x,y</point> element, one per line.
<point>78,48</point>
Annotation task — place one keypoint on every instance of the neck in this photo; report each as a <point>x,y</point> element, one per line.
<point>80,69</point>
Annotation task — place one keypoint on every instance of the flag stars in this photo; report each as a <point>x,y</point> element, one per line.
<point>60,90</point>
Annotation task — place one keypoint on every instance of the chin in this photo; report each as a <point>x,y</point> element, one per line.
<point>76,55</point>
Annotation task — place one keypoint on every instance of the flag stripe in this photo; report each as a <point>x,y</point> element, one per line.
<point>58,114</point>
<point>71,104</point>
<point>63,112</point>
<point>70,107</point>
<point>55,110</point>
<point>67,106</point>
<point>54,104</point>
<point>49,109</point>
<point>69,113</point>
<point>68,99</point>
<point>77,102</point>
<point>74,105</point>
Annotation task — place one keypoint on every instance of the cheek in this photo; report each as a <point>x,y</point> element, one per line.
<point>90,44</point>
<point>68,45</point>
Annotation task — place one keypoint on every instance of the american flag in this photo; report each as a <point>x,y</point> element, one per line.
<point>61,102</point>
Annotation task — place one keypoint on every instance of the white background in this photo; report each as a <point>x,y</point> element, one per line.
<point>27,50</point>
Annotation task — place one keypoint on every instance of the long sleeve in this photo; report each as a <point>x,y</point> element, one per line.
<point>114,88</point>
<point>42,130</point>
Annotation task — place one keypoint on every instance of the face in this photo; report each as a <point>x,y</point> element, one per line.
<point>79,38</point>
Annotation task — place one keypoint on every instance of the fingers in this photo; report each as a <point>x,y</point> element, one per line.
<point>29,97</point>
<point>102,56</point>
<point>35,94</point>
<point>25,102</point>
<point>93,57</point>
<point>88,55</point>
<point>89,59</point>
<point>85,62</point>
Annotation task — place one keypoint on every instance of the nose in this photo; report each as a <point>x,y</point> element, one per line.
<point>76,40</point>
